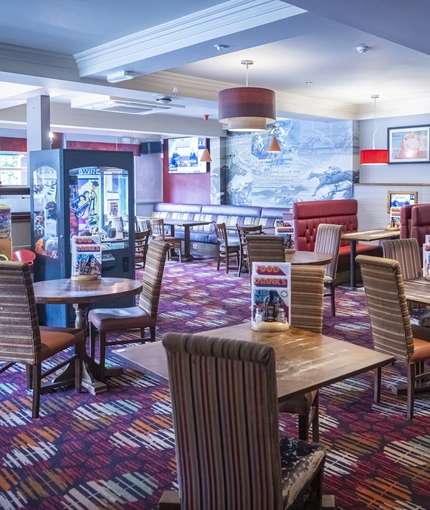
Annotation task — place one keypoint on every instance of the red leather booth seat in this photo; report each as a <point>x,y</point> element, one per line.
<point>308,215</point>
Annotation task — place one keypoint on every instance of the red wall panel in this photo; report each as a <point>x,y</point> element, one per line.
<point>185,188</point>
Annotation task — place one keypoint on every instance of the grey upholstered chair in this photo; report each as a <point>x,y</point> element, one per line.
<point>407,253</point>
<point>307,307</point>
<point>143,316</point>
<point>266,248</point>
<point>390,323</point>
<point>228,451</point>
<point>328,241</point>
<point>23,341</point>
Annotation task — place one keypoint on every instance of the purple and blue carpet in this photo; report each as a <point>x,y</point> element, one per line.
<point>116,451</point>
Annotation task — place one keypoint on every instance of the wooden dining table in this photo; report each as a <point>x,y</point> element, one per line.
<point>80,294</point>
<point>364,236</point>
<point>305,360</point>
<point>307,258</point>
<point>187,225</point>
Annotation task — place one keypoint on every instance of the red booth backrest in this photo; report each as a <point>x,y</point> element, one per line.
<point>308,215</point>
<point>405,221</point>
<point>420,222</point>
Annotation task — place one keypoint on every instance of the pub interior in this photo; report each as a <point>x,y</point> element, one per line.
<point>215,271</point>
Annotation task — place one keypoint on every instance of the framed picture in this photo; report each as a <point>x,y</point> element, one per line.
<point>396,199</point>
<point>408,144</point>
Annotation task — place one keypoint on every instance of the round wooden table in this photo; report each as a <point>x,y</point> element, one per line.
<point>307,257</point>
<point>80,294</point>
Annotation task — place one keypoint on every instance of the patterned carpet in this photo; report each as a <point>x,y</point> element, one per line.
<point>116,451</point>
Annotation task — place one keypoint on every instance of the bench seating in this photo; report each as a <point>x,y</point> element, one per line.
<point>228,214</point>
<point>308,215</point>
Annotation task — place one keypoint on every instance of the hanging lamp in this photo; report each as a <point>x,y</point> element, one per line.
<point>274,144</point>
<point>206,157</point>
<point>246,108</point>
<point>374,156</point>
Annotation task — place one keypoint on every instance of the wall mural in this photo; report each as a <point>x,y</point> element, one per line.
<point>316,163</point>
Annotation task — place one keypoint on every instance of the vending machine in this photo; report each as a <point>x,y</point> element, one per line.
<point>81,193</point>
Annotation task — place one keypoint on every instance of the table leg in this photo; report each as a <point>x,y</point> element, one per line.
<point>353,279</point>
<point>187,254</point>
<point>89,381</point>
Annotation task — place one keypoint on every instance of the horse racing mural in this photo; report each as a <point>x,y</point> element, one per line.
<point>316,163</point>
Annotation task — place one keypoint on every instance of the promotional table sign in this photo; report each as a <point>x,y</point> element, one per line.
<point>394,218</point>
<point>286,229</point>
<point>271,296</point>
<point>426,258</point>
<point>86,257</point>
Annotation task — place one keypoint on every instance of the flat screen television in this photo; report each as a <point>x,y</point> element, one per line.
<point>185,154</point>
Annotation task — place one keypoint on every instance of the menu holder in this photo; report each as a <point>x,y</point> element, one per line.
<point>271,299</point>
<point>86,258</point>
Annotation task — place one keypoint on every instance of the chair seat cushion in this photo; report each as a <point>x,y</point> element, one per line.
<point>421,351</point>
<point>55,340</point>
<point>231,244</point>
<point>301,404</point>
<point>420,317</point>
<point>112,319</point>
<point>299,462</point>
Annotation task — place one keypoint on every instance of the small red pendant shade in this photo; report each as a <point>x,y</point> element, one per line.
<point>374,157</point>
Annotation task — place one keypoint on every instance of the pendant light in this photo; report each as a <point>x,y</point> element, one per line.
<point>246,108</point>
<point>206,157</point>
<point>374,156</point>
<point>274,144</point>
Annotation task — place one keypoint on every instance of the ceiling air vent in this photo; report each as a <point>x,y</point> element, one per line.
<point>120,105</point>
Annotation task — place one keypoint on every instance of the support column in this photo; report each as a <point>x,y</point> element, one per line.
<point>38,123</point>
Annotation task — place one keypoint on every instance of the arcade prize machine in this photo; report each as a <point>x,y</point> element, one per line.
<point>81,193</point>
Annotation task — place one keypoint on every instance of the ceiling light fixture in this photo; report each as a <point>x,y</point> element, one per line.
<point>362,49</point>
<point>206,157</point>
<point>374,156</point>
<point>119,76</point>
<point>274,144</point>
<point>246,108</point>
<point>221,47</point>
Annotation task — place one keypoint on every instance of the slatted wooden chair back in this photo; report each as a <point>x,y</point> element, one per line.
<point>407,253</point>
<point>386,302</point>
<point>153,276</point>
<point>224,404</point>
<point>19,325</point>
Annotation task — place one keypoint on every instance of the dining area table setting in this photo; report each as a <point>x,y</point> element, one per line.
<point>305,360</point>
<point>81,294</point>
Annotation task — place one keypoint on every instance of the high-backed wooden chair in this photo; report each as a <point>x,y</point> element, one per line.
<point>140,248</point>
<point>407,253</point>
<point>158,232</point>
<point>23,341</point>
<point>307,294</point>
<point>142,316</point>
<point>242,232</point>
<point>265,248</point>
<point>307,309</point>
<point>226,247</point>
<point>328,241</point>
<point>224,404</point>
<point>390,322</point>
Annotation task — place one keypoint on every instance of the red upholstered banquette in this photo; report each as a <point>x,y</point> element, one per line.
<point>308,215</point>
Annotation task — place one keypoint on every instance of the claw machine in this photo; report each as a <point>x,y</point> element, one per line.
<point>80,192</point>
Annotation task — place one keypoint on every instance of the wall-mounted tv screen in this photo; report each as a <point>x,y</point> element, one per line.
<point>185,154</point>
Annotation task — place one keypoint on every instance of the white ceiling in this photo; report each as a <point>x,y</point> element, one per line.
<point>66,49</point>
